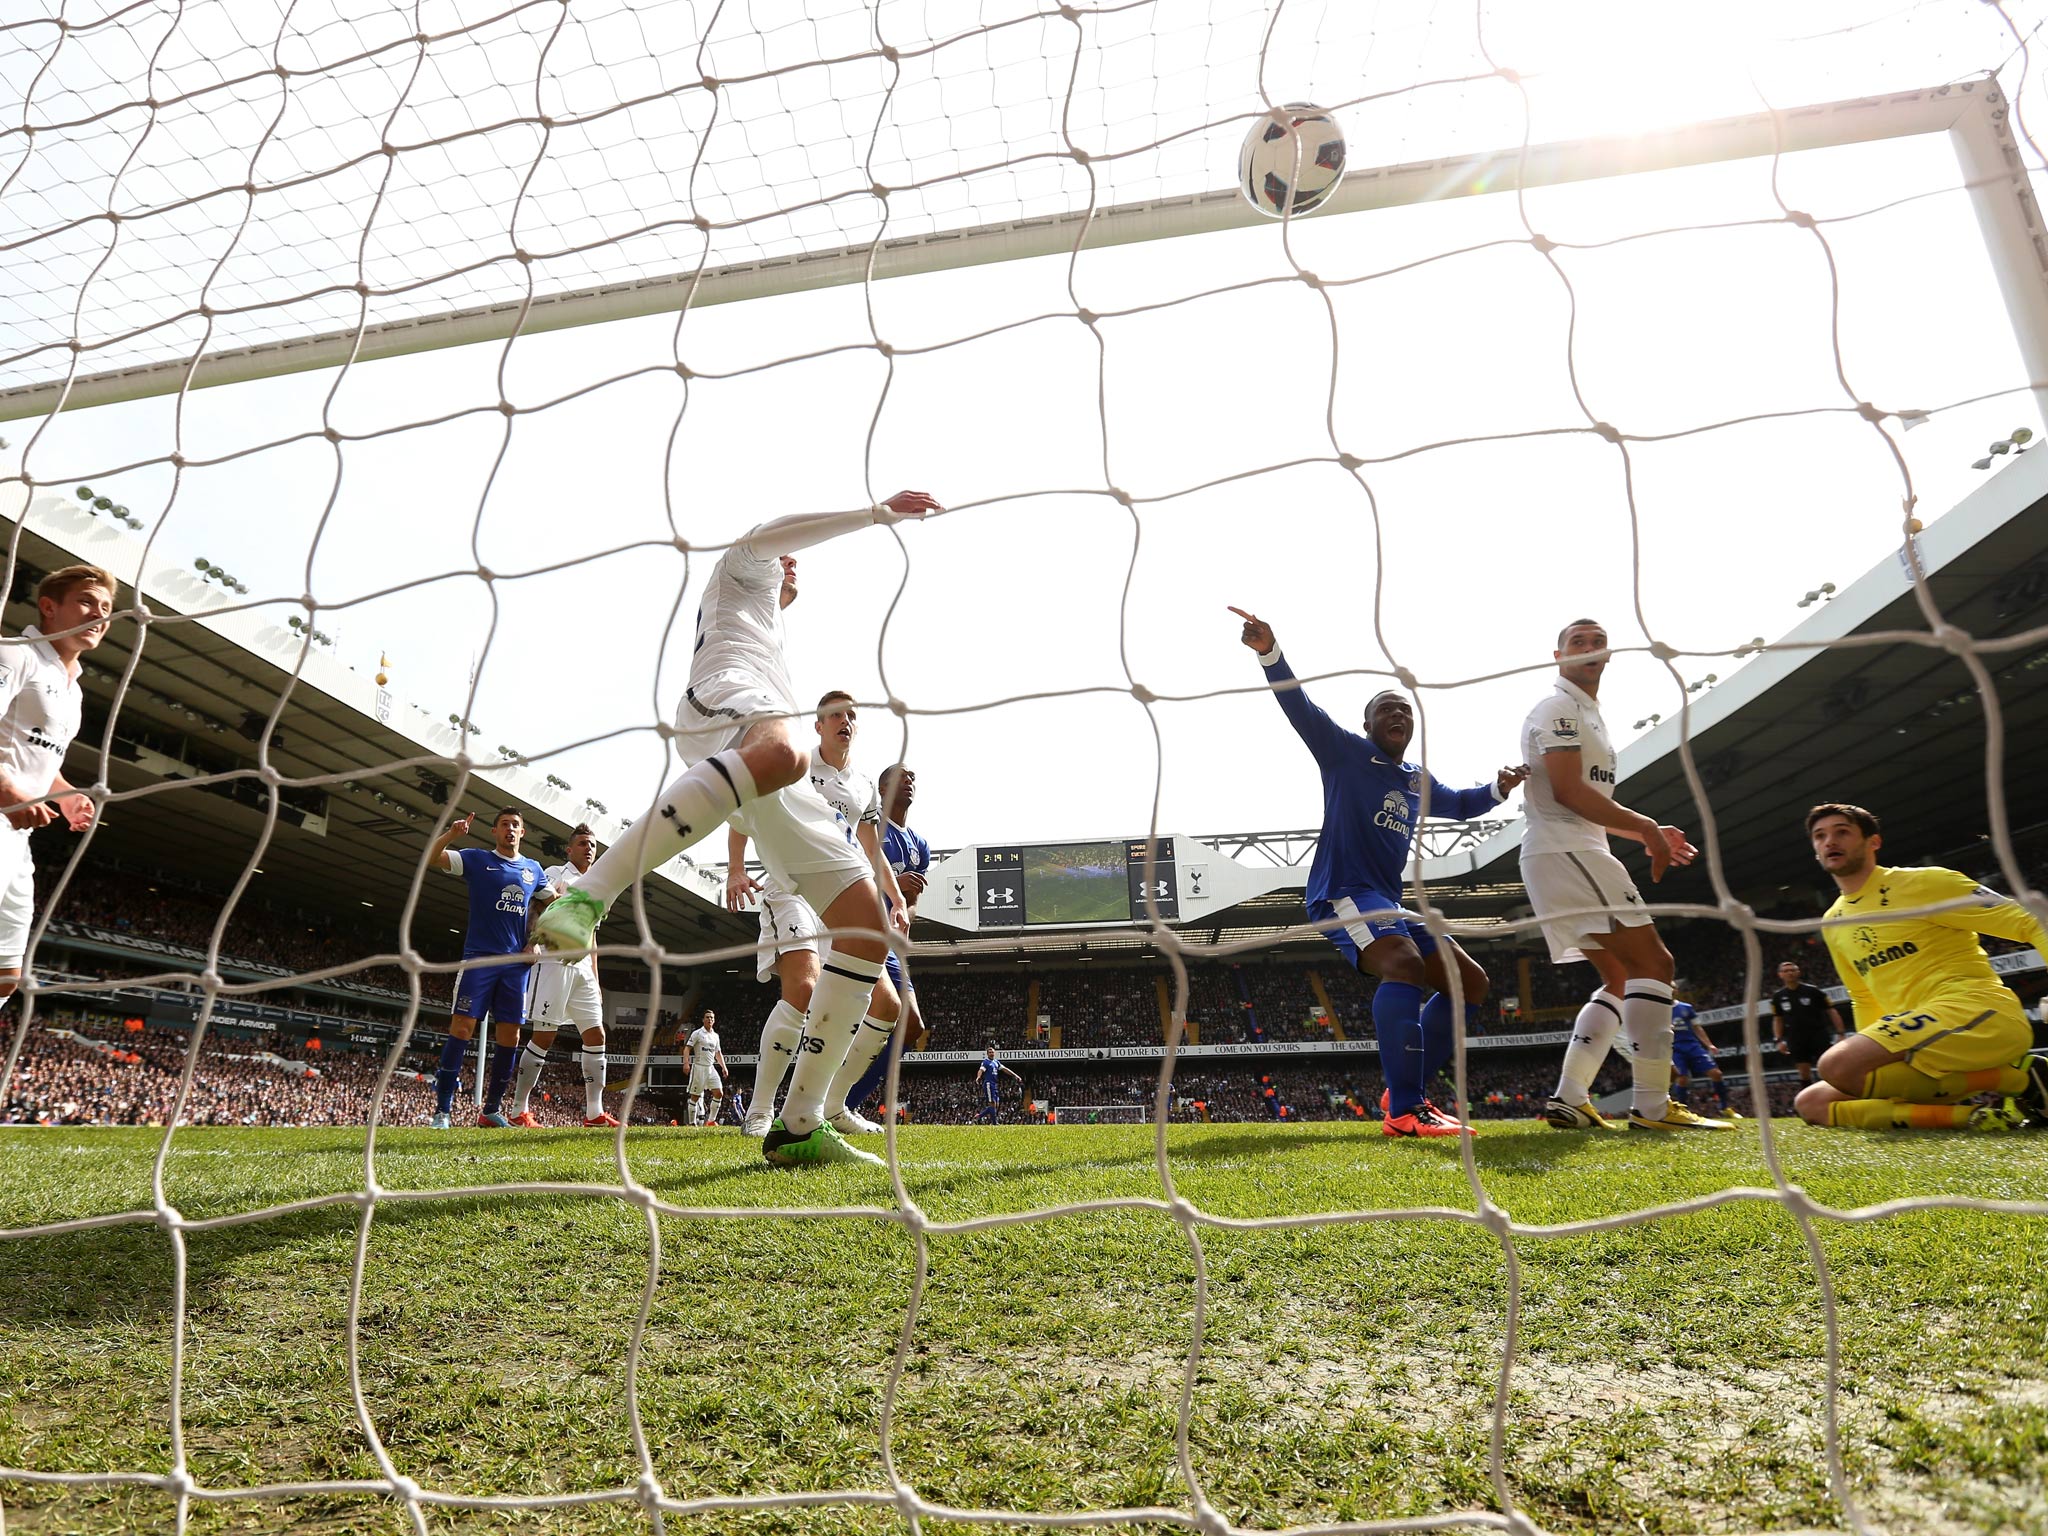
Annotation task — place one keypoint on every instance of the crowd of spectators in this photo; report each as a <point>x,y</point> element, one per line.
<point>1103,1006</point>
<point>88,1070</point>
<point>259,934</point>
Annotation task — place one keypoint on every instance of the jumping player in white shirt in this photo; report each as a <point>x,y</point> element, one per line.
<point>733,728</point>
<point>40,705</point>
<point>789,929</point>
<point>1591,909</point>
<point>704,1060</point>
<point>564,992</point>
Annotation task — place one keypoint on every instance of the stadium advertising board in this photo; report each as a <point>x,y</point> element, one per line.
<point>1155,1052</point>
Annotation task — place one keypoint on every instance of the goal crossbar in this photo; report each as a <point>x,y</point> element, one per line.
<point>1975,113</point>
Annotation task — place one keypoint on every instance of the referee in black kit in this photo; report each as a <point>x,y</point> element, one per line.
<point>1803,1021</point>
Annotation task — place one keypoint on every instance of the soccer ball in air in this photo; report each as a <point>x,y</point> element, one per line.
<point>1292,160</point>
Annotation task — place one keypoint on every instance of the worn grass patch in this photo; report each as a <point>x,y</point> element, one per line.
<point>1670,1375</point>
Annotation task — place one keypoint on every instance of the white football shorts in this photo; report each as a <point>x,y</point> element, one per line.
<point>565,996</point>
<point>1580,896</point>
<point>806,844</point>
<point>718,712</point>
<point>17,895</point>
<point>704,1077</point>
<point>787,925</point>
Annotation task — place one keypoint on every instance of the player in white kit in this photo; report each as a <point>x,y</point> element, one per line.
<point>564,992</point>
<point>704,1060</point>
<point>789,928</point>
<point>40,705</point>
<point>733,728</point>
<point>1591,909</point>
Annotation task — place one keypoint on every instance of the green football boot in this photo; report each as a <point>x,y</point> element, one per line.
<point>823,1145</point>
<point>570,921</point>
<point>2005,1115</point>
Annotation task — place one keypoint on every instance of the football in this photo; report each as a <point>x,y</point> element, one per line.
<point>1292,160</point>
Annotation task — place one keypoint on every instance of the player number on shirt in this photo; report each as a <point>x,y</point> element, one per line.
<point>1895,1024</point>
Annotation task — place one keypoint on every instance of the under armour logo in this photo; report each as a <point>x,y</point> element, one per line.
<point>682,827</point>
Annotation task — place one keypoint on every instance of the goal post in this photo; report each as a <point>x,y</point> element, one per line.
<point>1974,113</point>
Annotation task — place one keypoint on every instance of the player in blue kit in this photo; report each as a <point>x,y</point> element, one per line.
<point>988,1082</point>
<point>1371,807</point>
<point>501,887</point>
<point>911,857</point>
<point>1692,1055</point>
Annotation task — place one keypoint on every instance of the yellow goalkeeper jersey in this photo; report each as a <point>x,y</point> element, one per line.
<point>1890,963</point>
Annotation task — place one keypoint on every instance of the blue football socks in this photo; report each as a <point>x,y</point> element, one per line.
<point>1397,1021</point>
<point>448,1077</point>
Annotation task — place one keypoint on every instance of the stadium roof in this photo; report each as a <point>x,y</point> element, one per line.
<point>210,675</point>
<point>1860,702</point>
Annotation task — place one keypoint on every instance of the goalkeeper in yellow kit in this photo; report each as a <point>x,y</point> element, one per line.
<point>1935,1027</point>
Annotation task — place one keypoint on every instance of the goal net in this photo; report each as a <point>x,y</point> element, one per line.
<point>410,365</point>
<point>1102,1114</point>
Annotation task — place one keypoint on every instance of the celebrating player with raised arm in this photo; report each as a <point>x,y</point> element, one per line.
<point>733,728</point>
<point>1591,909</point>
<point>789,927</point>
<point>501,884</point>
<point>1935,1026</point>
<point>564,991</point>
<point>1372,803</point>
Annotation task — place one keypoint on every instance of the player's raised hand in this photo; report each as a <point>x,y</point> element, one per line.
<point>905,505</point>
<point>1508,778</point>
<point>740,888</point>
<point>1258,634</point>
<point>1682,850</point>
<point>78,811</point>
<point>459,827</point>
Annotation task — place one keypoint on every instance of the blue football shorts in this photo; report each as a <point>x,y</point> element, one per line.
<point>1356,931</point>
<point>1688,1056</point>
<point>498,991</point>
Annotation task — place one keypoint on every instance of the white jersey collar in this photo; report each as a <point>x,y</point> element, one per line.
<point>41,646</point>
<point>1572,690</point>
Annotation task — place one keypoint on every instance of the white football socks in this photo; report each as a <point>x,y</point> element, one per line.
<point>593,1080</point>
<point>838,1003</point>
<point>1646,1015</point>
<point>1592,1036</point>
<point>872,1040</point>
<point>689,810</point>
<point>531,1060</point>
<point>779,1036</point>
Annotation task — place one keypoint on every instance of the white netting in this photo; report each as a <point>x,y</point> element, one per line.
<point>189,180</point>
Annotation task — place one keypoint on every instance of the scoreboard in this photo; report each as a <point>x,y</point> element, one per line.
<point>1064,884</point>
<point>995,887</point>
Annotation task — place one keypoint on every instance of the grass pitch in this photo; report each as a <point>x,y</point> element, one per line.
<point>1670,1375</point>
